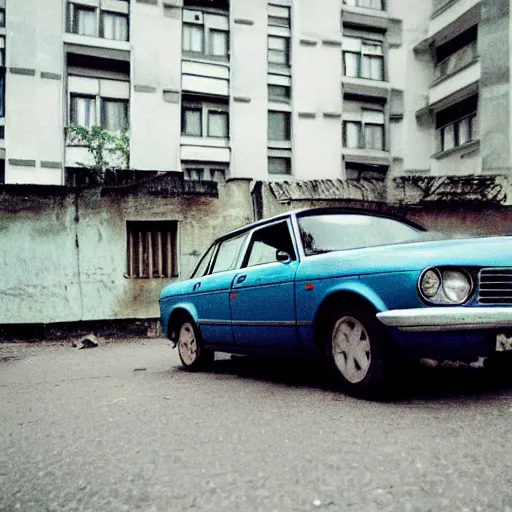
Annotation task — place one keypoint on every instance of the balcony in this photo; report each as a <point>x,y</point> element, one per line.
<point>465,79</point>
<point>456,61</point>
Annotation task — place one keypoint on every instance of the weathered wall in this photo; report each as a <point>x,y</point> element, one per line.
<point>63,256</point>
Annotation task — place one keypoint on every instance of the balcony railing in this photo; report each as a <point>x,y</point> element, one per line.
<point>456,61</point>
<point>378,5</point>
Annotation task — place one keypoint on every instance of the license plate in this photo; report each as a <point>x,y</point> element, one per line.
<point>503,343</point>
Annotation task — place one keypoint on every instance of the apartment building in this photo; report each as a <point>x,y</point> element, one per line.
<point>259,89</point>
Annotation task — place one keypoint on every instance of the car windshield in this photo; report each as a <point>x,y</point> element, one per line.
<point>337,232</point>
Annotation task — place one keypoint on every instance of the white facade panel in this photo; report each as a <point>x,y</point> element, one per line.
<point>82,85</point>
<point>205,85</point>
<point>455,83</point>
<point>248,120</point>
<point>205,154</point>
<point>205,69</point>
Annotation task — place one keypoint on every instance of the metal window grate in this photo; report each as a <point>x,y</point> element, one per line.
<point>495,286</point>
<point>152,249</point>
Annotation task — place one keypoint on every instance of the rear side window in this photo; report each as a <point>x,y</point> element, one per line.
<point>203,264</point>
<point>228,253</point>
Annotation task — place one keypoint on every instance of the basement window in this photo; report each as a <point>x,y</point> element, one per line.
<point>151,249</point>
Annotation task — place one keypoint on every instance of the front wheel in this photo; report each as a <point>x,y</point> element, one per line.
<point>361,353</point>
<point>191,350</point>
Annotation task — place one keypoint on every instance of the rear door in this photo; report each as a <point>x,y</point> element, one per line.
<point>263,291</point>
<point>210,292</point>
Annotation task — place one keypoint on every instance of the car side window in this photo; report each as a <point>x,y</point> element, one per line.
<point>202,267</point>
<point>227,254</point>
<point>267,242</point>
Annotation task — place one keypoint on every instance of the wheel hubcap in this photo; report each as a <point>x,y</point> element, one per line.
<point>351,349</point>
<point>187,344</point>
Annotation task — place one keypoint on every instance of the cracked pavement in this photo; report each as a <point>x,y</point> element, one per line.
<point>122,427</point>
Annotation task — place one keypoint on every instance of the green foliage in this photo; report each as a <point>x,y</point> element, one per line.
<point>100,142</point>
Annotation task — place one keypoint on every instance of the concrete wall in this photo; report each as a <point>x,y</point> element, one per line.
<point>495,96</point>
<point>248,88</point>
<point>316,86</point>
<point>66,254</point>
<point>156,83</point>
<point>34,136</point>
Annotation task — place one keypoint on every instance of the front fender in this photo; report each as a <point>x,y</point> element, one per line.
<point>169,310</point>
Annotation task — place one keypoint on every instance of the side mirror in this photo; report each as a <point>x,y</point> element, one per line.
<point>283,257</point>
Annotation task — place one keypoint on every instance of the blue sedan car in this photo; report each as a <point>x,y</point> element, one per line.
<point>358,289</point>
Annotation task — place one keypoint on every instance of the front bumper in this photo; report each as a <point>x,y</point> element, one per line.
<point>447,318</point>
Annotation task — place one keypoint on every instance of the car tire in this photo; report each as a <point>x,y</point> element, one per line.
<point>193,355</point>
<point>361,353</point>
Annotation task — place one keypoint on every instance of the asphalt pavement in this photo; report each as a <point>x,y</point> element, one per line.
<point>122,427</point>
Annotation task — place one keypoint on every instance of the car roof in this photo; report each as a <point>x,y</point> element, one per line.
<point>317,211</point>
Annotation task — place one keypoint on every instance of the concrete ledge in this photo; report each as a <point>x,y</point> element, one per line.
<point>22,71</point>
<point>149,2</point>
<point>45,164</point>
<point>21,163</point>
<point>50,76</point>
<point>308,42</point>
<point>332,115</point>
<point>331,42</point>
<point>243,21</point>
<point>242,99</point>
<point>171,96</point>
<point>307,115</point>
<point>144,88</point>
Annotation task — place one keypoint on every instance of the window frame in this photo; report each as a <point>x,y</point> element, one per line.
<point>456,124</point>
<point>362,133</point>
<point>205,107</point>
<point>73,6</point>
<point>251,240</point>
<point>287,125</point>
<point>361,55</point>
<point>207,33</point>
<point>286,51</point>
<point>134,263</point>
<point>287,159</point>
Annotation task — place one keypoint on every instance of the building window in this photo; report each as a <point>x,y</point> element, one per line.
<point>279,50</point>
<point>279,93</point>
<point>279,165</point>
<point>84,21</point>
<point>279,126</point>
<point>151,249</point>
<point>93,22</point>
<point>83,111</point>
<point>278,16</point>
<point>205,34</point>
<point>367,4</point>
<point>199,171</point>
<point>457,125</point>
<point>114,26</point>
<point>205,119</point>
<point>2,17</point>
<point>367,133</point>
<point>363,58</point>
<point>113,113</point>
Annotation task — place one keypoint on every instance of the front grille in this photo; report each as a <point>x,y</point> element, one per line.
<point>495,286</point>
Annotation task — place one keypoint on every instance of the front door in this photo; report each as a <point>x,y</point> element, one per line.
<point>263,292</point>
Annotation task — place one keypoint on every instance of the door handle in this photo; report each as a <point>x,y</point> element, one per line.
<point>196,286</point>
<point>240,279</point>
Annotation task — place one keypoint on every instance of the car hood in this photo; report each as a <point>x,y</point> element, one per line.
<point>415,255</point>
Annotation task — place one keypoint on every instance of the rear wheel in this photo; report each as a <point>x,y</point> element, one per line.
<point>360,352</point>
<point>191,349</point>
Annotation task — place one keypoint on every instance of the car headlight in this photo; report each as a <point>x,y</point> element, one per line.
<point>445,286</point>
